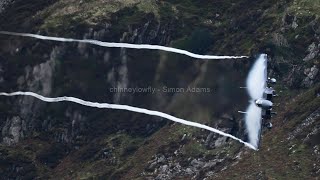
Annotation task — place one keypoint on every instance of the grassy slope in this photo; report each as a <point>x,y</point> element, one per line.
<point>64,14</point>
<point>275,159</point>
<point>280,158</point>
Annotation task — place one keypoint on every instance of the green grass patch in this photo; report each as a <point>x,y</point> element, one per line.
<point>305,7</point>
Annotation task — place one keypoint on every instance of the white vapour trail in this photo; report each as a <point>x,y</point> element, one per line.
<point>256,84</point>
<point>128,108</point>
<point>122,45</point>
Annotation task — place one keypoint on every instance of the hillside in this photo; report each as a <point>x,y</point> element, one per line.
<point>69,141</point>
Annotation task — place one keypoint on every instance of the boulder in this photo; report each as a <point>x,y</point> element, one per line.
<point>313,51</point>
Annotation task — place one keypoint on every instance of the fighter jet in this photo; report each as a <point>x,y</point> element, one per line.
<point>259,111</point>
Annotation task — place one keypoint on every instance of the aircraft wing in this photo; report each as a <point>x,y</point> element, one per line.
<point>256,85</point>
<point>265,69</point>
<point>257,79</point>
<point>253,119</point>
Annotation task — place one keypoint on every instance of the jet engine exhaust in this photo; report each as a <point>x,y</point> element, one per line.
<point>122,45</point>
<point>128,108</point>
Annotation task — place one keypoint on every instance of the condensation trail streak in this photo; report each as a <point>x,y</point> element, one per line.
<point>122,45</point>
<point>128,108</point>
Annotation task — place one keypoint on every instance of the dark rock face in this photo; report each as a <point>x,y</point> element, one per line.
<point>38,78</point>
<point>4,4</point>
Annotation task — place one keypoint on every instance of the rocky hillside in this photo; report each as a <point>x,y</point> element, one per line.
<point>68,141</point>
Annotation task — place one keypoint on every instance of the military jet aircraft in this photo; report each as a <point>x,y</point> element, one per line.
<point>259,111</point>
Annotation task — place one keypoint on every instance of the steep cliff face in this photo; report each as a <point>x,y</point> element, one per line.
<point>69,141</point>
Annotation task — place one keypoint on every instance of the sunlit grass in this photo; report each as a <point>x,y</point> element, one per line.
<point>90,12</point>
<point>305,7</point>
